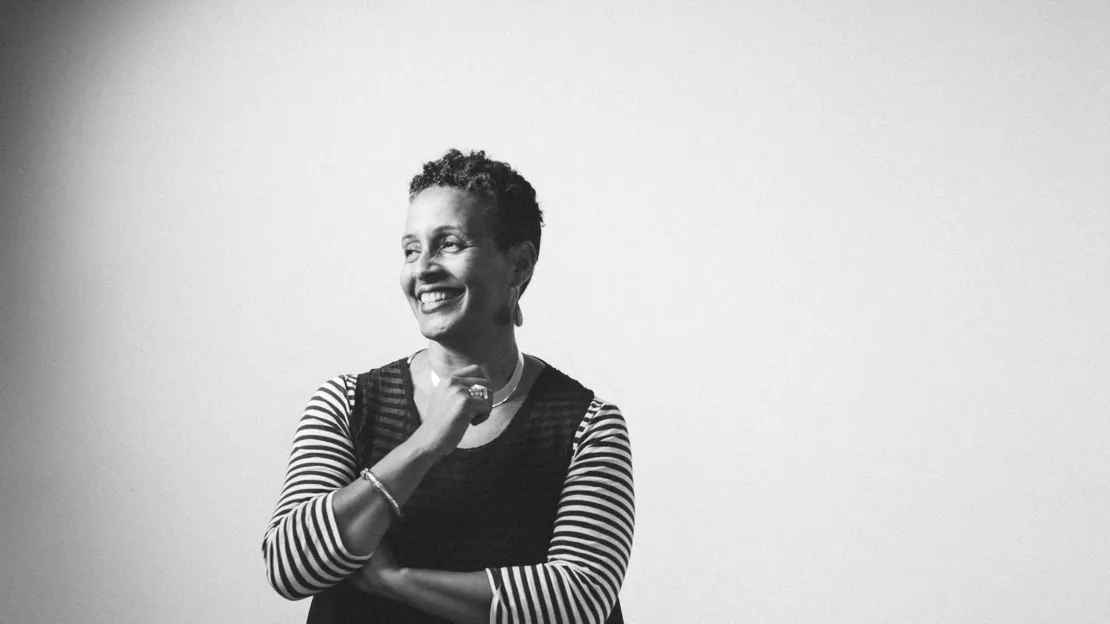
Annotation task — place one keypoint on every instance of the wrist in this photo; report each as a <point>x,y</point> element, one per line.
<point>391,584</point>
<point>423,447</point>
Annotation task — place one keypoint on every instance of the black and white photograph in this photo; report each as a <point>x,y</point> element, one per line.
<point>554,312</point>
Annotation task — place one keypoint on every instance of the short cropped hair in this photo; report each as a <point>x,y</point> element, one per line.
<point>513,212</point>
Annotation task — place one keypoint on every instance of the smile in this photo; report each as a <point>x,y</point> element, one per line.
<point>433,299</point>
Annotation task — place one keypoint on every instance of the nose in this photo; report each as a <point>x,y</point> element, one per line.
<point>425,268</point>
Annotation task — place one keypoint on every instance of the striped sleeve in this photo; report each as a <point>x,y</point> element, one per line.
<point>592,541</point>
<point>302,547</point>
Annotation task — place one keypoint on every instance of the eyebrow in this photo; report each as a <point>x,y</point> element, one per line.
<point>439,231</point>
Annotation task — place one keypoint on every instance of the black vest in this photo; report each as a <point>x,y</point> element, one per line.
<point>489,506</point>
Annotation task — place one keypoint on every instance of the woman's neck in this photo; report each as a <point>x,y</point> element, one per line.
<point>497,357</point>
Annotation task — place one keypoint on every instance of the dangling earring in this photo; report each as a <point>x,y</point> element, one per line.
<point>514,306</point>
<point>510,314</point>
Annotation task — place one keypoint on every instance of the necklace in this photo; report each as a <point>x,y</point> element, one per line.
<point>504,393</point>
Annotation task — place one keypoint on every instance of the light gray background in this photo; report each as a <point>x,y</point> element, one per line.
<point>845,267</point>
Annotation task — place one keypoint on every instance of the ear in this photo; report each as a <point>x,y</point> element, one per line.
<point>523,256</point>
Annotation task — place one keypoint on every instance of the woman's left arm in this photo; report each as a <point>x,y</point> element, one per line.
<point>455,596</point>
<point>587,557</point>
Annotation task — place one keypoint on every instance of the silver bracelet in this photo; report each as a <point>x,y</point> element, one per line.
<point>374,481</point>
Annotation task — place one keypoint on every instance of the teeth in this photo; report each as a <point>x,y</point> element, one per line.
<point>434,296</point>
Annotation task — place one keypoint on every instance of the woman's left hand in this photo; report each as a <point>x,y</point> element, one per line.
<point>380,575</point>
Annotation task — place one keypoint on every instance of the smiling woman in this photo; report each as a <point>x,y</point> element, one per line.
<point>454,272</point>
<point>468,482</point>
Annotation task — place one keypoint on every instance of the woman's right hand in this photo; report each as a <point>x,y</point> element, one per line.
<point>451,409</point>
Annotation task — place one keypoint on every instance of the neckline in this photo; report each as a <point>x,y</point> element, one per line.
<point>521,413</point>
<point>506,392</point>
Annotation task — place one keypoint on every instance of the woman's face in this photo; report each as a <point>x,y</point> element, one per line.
<point>454,277</point>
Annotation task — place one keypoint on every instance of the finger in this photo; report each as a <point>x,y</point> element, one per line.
<point>482,408</point>
<point>473,370</point>
<point>477,403</point>
<point>475,399</point>
<point>473,378</point>
<point>478,406</point>
<point>468,383</point>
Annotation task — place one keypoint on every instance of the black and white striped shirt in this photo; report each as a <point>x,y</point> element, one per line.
<point>589,550</point>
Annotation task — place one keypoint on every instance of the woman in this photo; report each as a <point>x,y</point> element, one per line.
<point>468,482</point>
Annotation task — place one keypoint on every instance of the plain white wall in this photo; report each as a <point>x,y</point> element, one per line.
<point>845,267</point>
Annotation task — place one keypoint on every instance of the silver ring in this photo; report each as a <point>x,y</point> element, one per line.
<point>478,391</point>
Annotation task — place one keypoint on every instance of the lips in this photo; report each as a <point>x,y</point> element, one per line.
<point>433,299</point>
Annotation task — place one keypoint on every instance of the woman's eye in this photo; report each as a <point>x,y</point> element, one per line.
<point>411,254</point>
<point>451,245</point>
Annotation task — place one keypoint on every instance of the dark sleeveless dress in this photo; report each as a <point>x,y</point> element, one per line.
<point>484,507</point>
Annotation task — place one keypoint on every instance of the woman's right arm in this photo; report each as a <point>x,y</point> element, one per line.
<point>328,521</point>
